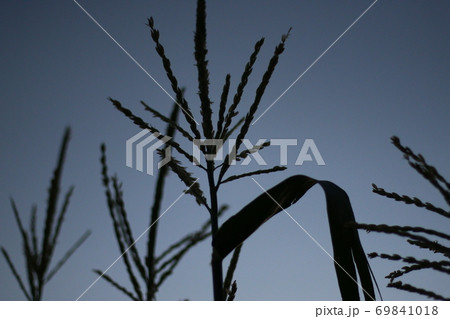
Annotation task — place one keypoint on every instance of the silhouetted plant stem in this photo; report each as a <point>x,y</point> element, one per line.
<point>153,232</point>
<point>216,263</point>
<point>206,112</point>
<point>156,208</point>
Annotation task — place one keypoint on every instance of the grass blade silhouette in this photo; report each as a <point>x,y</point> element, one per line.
<point>38,259</point>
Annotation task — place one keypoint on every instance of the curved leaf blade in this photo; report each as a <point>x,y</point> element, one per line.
<point>347,248</point>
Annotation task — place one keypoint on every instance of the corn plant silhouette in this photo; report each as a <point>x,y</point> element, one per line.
<point>38,259</point>
<point>146,275</point>
<point>417,236</point>
<point>347,248</point>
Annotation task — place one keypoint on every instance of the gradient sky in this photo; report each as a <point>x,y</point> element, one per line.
<point>388,75</point>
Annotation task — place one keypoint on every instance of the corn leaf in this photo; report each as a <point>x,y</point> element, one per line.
<point>347,248</point>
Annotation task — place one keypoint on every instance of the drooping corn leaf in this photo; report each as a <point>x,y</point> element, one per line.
<point>347,248</point>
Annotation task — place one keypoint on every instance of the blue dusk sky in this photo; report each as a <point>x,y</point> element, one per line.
<point>387,75</point>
